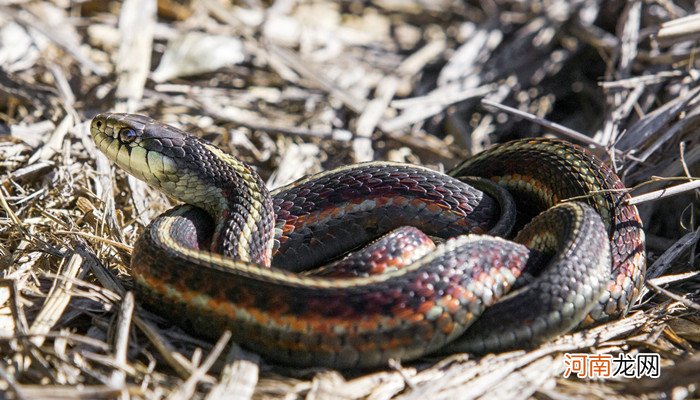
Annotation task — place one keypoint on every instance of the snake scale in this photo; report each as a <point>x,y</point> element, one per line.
<point>232,258</point>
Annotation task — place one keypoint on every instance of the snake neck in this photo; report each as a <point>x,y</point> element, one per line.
<point>231,192</point>
<point>240,203</point>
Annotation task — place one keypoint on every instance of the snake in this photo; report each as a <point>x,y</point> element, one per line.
<point>533,237</point>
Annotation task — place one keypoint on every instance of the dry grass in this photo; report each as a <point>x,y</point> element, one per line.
<point>298,87</point>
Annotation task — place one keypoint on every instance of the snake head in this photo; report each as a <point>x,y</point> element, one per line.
<point>158,154</point>
<point>182,166</point>
<point>144,147</point>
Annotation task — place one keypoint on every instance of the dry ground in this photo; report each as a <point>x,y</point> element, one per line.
<point>295,87</point>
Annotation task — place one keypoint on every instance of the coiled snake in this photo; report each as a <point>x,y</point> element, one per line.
<point>207,267</point>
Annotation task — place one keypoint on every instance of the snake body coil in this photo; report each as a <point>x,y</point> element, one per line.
<point>206,267</point>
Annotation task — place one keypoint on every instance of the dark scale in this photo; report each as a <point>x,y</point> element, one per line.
<point>455,209</point>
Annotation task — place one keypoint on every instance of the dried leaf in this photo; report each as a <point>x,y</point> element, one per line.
<point>196,53</point>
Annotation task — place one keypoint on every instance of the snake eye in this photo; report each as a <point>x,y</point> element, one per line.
<point>127,135</point>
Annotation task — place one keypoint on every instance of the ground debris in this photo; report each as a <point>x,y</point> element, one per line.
<point>297,87</point>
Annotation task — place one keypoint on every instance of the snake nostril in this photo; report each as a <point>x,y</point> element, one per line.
<point>98,124</point>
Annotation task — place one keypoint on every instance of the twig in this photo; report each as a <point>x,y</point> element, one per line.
<point>120,246</point>
<point>57,300</point>
<point>186,390</point>
<point>121,340</point>
<point>292,60</point>
<point>673,296</point>
<point>239,376</point>
<point>547,124</point>
<point>673,252</point>
<point>662,193</point>
<point>137,22</point>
